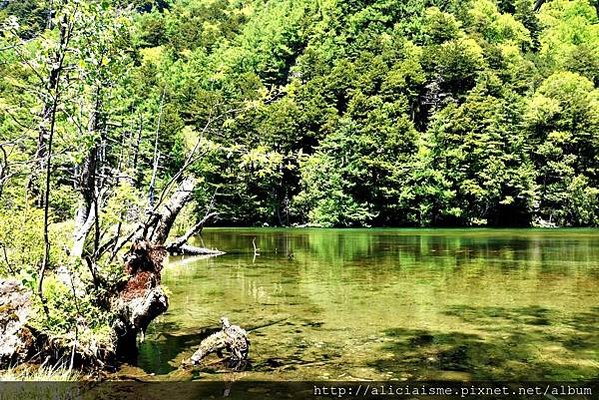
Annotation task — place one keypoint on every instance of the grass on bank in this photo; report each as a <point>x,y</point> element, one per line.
<point>39,374</point>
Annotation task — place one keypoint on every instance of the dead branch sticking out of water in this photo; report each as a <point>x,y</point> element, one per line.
<point>187,250</point>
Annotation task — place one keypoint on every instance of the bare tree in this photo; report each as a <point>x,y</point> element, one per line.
<point>50,95</point>
<point>48,127</point>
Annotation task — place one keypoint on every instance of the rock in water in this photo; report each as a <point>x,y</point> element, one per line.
<point>232,338</point>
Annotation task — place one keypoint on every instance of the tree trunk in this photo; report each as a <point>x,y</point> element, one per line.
<point>46,137</point>
<point>538,5</point>
<point>171,209</point>
<point>136,147</point>
<point>156,158</point>
<point>46,202</point>
<point>142,299</point>
<point>4,169</point>
<point>85,220</point>
<point>86,214</point>
<point>48,116</point>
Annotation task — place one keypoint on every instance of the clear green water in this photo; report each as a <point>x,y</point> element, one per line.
<point>389,304</point>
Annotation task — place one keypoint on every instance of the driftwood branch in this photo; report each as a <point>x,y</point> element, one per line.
<point>256,250</point>
<point>195,251</point>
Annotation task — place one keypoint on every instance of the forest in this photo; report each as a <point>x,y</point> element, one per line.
<point>360,113</point>
<point>122,121</point>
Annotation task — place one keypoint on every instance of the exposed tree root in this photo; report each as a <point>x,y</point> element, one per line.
<point>141,299</point>
<point>20,342</point>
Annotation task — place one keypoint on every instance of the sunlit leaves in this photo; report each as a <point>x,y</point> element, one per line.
<point>337,113</point>
<point>563,118</point>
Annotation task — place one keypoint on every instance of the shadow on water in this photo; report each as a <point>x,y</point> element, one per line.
<point>530,343</point>
<point>164,354</point>
<point>167,351</point>
<point>530,315</point>
<point>391,304</point>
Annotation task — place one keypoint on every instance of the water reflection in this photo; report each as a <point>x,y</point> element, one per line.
<point>391,304</point>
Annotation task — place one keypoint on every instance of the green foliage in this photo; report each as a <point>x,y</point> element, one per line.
<point>31,15</point>
<point>420,112</point>
<point>21,236</point>
<point>331,113</point>
<point>63,203</point>
<point>563,120</point>
<point>440,27</point>
<point>381,113</point>
<point>66,305</point>
<point>480,158</point>
<point>124,207</point>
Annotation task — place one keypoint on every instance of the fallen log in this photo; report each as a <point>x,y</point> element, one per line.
<point>194,251</point>
<point>179,245</point>
<point>232,338</point>
<point>169,212</point>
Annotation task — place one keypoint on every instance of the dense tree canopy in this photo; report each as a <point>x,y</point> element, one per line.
<point>334,113</point>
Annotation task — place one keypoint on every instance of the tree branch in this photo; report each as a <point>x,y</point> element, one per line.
<point>181,240</point>
<point>170,210</point>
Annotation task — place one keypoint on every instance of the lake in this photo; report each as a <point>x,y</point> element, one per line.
<point>389,304</point>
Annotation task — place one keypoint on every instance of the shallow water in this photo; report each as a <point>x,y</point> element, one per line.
<point>389,304</point>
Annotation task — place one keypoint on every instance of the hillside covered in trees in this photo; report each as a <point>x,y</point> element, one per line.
<point>333,113</point>
<point>125,127</point>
